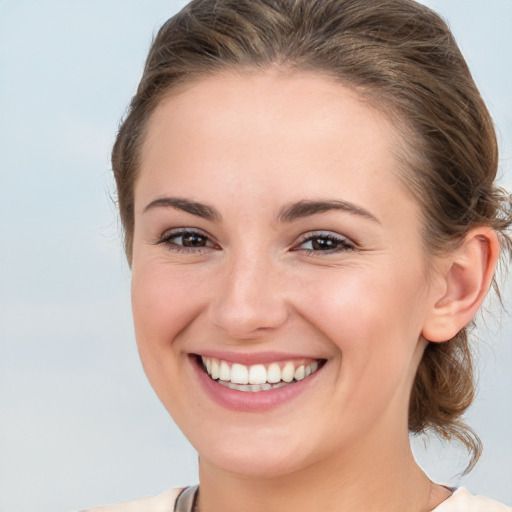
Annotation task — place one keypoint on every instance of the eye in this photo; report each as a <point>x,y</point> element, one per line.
<point>324,242</point>
<point>186,240</point>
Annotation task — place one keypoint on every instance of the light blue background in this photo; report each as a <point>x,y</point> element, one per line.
<point>79,424</point>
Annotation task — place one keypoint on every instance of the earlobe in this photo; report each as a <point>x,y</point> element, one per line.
<point>468,272</point>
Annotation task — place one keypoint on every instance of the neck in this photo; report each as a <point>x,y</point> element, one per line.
<point>361,478</point>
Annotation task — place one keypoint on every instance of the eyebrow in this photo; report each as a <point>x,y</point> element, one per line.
<point>289,213</point>
<point>187,205</point>
<point>306,208</point>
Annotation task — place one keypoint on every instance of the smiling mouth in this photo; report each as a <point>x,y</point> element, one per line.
<point>259,377</point>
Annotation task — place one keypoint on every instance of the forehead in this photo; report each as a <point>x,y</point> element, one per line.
<point>269,131</point>
<point>268,104</point>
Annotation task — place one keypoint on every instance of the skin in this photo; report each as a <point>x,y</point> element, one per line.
<point>248,146</point>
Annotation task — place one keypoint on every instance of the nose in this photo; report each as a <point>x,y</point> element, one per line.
<point>250,299</point>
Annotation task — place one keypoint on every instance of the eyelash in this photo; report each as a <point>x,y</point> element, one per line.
<point>341,243</point>
<point>168,240</point>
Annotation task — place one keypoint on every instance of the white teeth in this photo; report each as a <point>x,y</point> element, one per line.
<point>300,373</point>
<point>257,377</point>
<point>251,388</point>
<point>224,371</point>
<point>287,372</point>
<point>274,373</point>
<point>215,369</point>
<point>239,374</point>
<point>257,374</point>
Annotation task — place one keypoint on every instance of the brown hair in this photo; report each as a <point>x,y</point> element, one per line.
<point>402,58</point>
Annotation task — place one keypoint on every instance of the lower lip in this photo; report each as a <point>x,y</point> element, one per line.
<point>246,401</point>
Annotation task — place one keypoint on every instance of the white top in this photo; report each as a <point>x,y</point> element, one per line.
<point>460,501</point>
<point>463,501</point>
<point>161,503</point>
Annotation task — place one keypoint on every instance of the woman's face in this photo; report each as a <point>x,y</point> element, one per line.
<point>274,240</point>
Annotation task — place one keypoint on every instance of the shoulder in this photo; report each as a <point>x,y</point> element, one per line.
<point>161,503</point>
<point>463,501</point>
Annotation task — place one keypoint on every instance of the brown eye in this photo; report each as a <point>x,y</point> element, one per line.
<point>185,240</point>
<point>191,240</point>
<point>325,242</point>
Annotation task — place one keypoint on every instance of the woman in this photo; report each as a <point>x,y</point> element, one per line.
<point>307,191</point>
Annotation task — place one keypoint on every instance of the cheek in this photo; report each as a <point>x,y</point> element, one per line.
<point>363,298</point>
<point>163,304</point>
<point>374,317</point>
<point>375,323</point>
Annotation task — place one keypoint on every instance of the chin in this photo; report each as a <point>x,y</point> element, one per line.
<point>259,452</point>
<point>254,463</point>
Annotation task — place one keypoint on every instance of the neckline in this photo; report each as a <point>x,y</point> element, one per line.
<point>455,492</point>
<point>187,499</point>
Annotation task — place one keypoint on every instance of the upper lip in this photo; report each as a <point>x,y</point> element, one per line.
<point>251,358</point>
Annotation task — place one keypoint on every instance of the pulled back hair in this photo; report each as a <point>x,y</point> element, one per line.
<point>400,57</point>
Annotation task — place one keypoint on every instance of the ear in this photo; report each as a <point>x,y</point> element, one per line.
<point>464,278</point>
